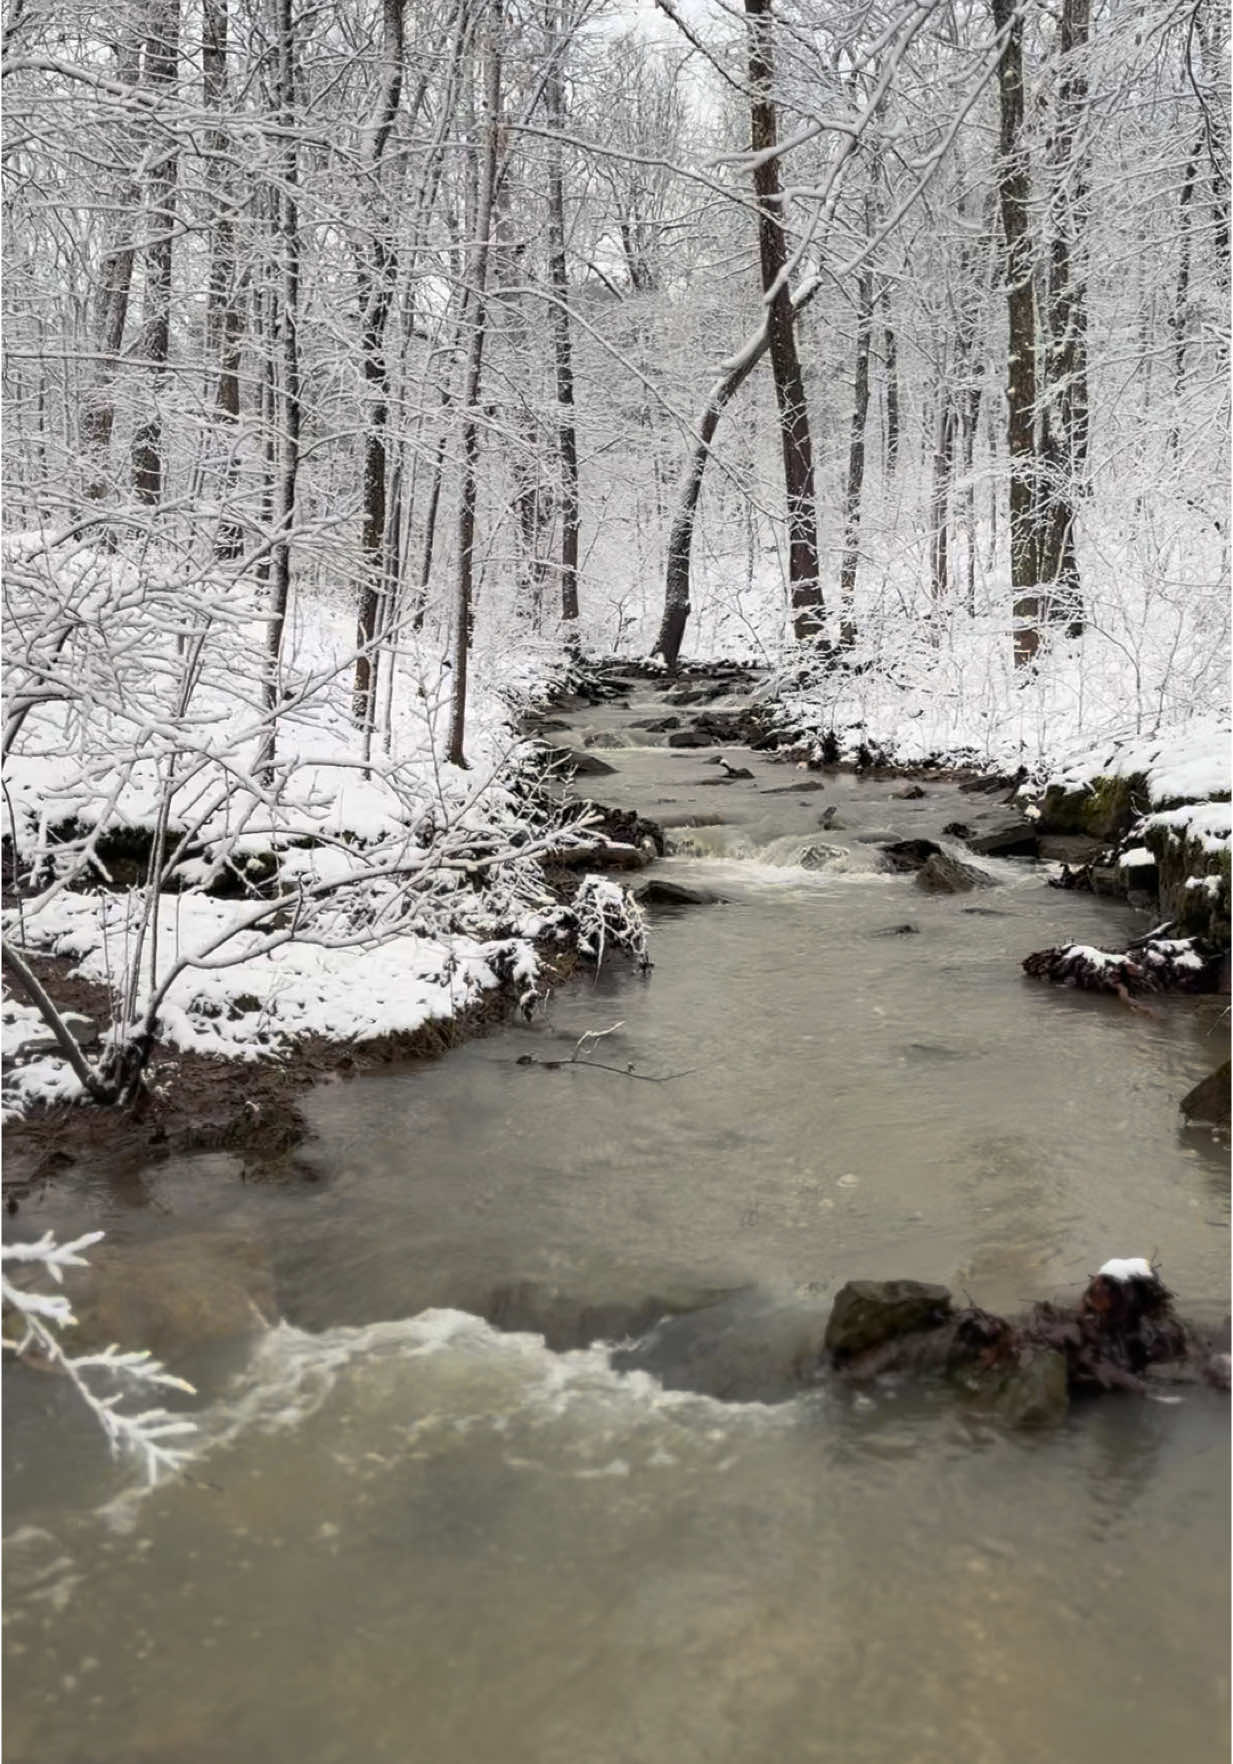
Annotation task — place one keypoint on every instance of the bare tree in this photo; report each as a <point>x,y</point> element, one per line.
<point>1014,194</point>
<point>475,307</point>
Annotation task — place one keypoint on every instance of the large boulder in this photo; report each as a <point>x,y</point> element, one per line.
<point>748,1348</point>
<point>569,759</point>
<point>1209,1100</point>
<point>867,1313</point>
<point>1017,839</point>
<point>946,875</point>
<point>909,854</point>
<point>689,738</point>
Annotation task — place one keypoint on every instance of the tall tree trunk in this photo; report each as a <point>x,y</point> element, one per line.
<point>162,54</point>
<point>224,312</point>
<point>1210,21</point>
<point>377,270</point>
<point>1014,195</point>
<point>1181,303</point>
<point>797,446</point>
<point>562,342</point>
<point>112,301</point>
<point>285,387</point>
<point>939,505</point>
<point>1065,420</point>
<point>856,447</point>
<point>475,308</point>
<point>891,366</point>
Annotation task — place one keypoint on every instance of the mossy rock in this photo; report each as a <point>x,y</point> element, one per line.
<point>1105,809</point>
<point>1196,911</point>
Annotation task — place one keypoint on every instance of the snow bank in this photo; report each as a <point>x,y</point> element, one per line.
<point>140,695</point>
<point>1187,762</point>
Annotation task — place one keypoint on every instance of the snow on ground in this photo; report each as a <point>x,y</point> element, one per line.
<point>1187,762</point>
<point>148,703</point>
<point>1185,766</point>
<point>258,1006</point>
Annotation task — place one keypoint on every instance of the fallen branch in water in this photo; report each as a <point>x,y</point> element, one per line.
<point>599,1066</point>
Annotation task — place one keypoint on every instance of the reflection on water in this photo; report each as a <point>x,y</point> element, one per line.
<point>412,1536</point>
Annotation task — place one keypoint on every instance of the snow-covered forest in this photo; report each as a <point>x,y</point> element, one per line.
<point>367,369</point>
<point>411,320</point>
<point>675,552</point>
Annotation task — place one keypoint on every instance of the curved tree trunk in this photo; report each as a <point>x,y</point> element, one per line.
<point>795,439</point>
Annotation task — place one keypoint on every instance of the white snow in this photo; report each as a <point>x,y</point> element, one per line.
<point>1209,823</point>
<point>1127,1268</point>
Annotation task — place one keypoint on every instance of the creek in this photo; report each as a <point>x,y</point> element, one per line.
<point>435,1517</point>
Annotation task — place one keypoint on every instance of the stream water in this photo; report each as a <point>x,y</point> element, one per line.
<point>435,1518</point>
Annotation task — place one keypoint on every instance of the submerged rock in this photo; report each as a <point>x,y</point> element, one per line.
<point>867,1313</point>
<point>570,759</point>
<point>660,892</point>
<point>747,1348</point>
<point>172,1294</point>
<point>1209,1100</point>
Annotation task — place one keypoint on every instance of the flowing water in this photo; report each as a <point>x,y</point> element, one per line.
<point>438,1517</point>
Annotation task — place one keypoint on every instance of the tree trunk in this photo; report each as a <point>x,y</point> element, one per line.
<point>149,466</point>
<point>1065,420</point>
<point>1181,304</point>
<point>567,440</point>
<point>939,506</point>
<point>286,381</point>
<point>891,362</point>
<point>797,447</point>
<point>224,314</point>
<point>376,274</point>
<point>856,449</point>
<point>1014,194</point>
<point>475,306</point>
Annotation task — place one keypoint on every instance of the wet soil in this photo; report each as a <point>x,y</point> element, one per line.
<point>195,1103</point>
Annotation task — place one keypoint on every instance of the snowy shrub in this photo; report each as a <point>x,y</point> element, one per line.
<point>39,1319</point>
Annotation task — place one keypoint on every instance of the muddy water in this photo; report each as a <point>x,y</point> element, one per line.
<point>414,1535</point>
